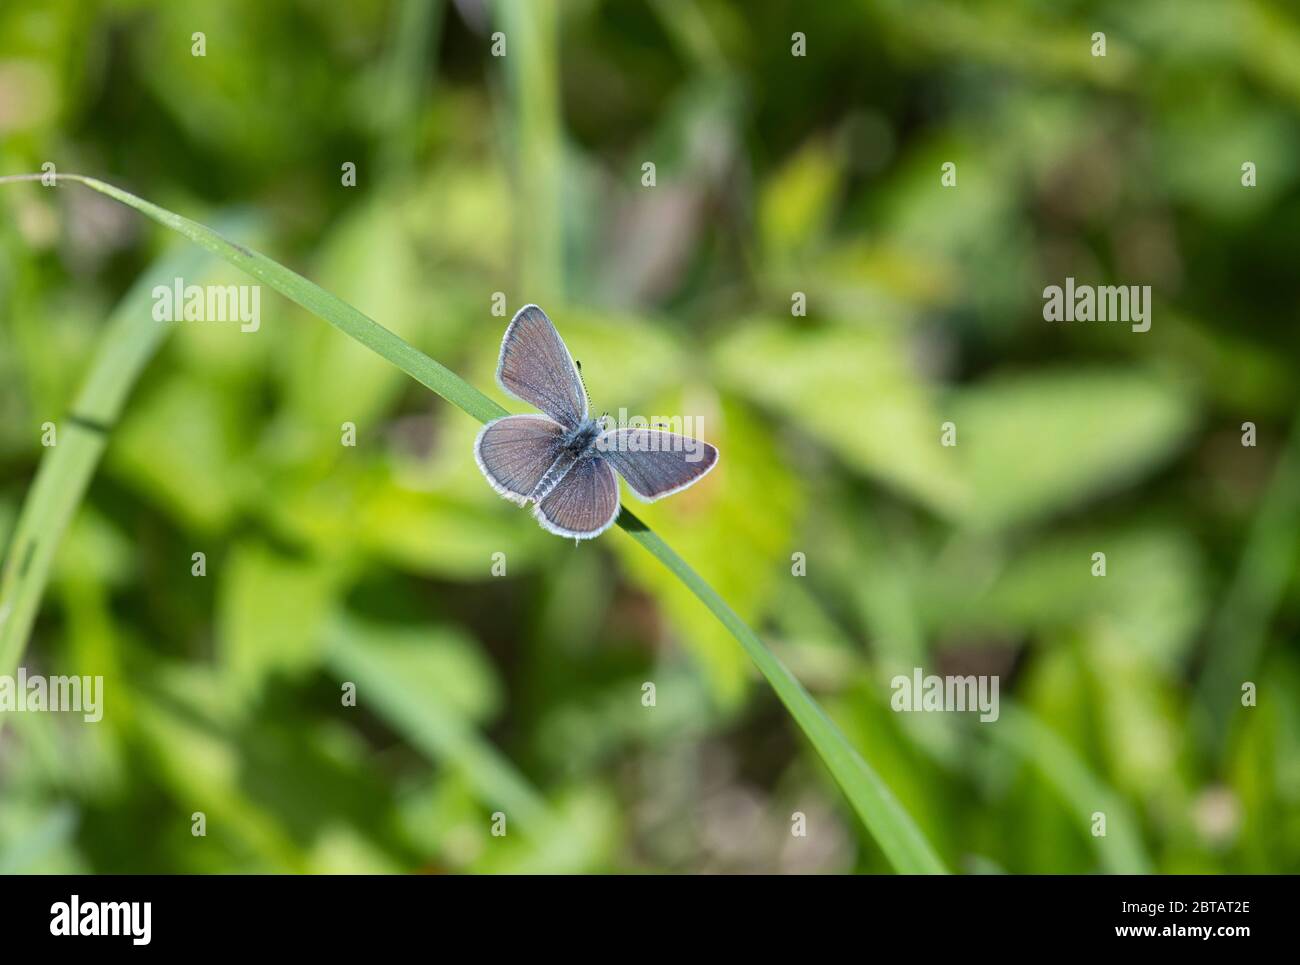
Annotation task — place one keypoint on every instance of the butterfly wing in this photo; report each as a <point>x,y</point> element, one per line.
<point>654,462</point>
<point>584,503</point>
<point>515,451</point>
<point>536,368</point>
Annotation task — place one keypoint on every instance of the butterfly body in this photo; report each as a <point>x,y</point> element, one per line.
<point>563,462</point>
<point>581,439</point>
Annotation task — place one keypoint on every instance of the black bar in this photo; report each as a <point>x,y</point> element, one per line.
<point>333,914</point>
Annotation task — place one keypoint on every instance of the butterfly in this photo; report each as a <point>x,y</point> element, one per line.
<point>564,462</point>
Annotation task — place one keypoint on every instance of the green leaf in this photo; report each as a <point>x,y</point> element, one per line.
<point>1152,596</point>
<point>857,393</point>
<point>37,839</point>
<point>795,206</point>
<point>1070,436</point>
<point>179,447</point>
<point>270,612</point>
<point>426,662</point>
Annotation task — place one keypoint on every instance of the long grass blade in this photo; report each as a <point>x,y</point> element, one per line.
<point>130,340</point>
<point>1240,629</point>
<point>1120,849</point>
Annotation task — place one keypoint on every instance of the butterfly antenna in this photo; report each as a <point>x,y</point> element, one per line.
<point>578,363</point>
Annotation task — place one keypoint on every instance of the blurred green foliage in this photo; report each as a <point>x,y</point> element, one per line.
<point>774,175</point>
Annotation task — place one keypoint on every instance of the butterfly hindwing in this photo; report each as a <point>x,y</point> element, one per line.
<point>515,451</point>
<point>536,368</point>
<point>584,503</point>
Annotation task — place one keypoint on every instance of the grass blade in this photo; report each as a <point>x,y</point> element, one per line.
<point>535,111</point>
<point>439,733</point>
<point>130,340</point>
<point>893,829</point>
<point>1120,850</point>
<point>1240,629</point>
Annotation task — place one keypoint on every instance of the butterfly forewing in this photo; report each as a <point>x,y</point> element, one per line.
<point>656,463</point>
<point>536,368</point>
<point>515,451</point>
<point>584,503</point>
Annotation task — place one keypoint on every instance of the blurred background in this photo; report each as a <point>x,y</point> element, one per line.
<point>774,174</point>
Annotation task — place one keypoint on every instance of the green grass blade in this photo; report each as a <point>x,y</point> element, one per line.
<point>534,96</point>
<point>437,732</point>
<point>893,829</point>
<point>1240,629</point>
<point>1121,850</point>
<point>130,339</point>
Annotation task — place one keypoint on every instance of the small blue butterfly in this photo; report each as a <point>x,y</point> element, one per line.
<point>563,462</point>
